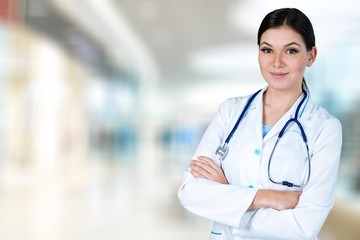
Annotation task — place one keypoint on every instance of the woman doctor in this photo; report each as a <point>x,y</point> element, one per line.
<point>274,174</point>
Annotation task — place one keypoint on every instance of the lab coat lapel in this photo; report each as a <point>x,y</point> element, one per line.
<point>274,131</point>
<point>255,113</point>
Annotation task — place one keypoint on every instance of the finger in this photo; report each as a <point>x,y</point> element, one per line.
<point>200,165</point>
<point>202,168</point>
<point>209,161</point>
<point>205,159</point>
<point>197,174</point>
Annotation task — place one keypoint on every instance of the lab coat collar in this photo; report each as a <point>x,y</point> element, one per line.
<point>257,116</point>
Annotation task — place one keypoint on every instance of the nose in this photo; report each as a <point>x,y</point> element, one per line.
<point>278,63</point>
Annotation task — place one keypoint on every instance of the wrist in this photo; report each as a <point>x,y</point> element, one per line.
<point>267,199</point>
<point>263,199</point>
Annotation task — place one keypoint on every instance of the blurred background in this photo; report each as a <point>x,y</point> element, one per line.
<point>102,103</point>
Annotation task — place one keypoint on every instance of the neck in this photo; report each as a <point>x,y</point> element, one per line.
<point>281,99</point>
<point>277,103</point>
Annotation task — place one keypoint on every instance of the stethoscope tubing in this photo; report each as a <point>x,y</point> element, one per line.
<point>223,150</point>
<point>246,108</point>
<point>281,133</point>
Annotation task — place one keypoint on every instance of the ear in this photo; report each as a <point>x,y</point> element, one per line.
<point>311,56</point>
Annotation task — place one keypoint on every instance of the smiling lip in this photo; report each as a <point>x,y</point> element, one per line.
<point>278,75</point>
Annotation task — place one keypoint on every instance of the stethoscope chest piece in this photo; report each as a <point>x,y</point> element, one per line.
<point>222,151</point>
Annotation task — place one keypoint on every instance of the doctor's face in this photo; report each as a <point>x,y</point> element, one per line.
<point>283,57</point>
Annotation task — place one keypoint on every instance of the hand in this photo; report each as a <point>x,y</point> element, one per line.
<point>286,200</point>
<point>278,200</point>
<point>205,167</point>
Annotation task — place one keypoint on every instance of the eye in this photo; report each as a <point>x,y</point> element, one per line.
<point>292,51</point>
<point>266,50</point>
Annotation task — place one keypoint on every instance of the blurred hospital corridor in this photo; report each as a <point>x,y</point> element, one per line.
<point>102,201</point>
<point>103,102</point>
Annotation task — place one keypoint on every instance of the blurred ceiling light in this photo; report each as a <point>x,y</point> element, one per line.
<point>225,60</point>
<point>205,98</point>
<point>106,24</point>
<point>330,18</point>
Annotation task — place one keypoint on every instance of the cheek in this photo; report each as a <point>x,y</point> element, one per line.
<point>263,62</point>
<point>298,65</point>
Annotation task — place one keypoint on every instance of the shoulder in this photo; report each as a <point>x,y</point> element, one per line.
<point>234,104</point>
<point>234,101</point>
<point>321,120</point>
<point>317,112</point>
<point>243,100</point>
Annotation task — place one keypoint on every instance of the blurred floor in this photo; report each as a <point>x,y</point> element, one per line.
<point>106,201</point>
<point>102,201</point>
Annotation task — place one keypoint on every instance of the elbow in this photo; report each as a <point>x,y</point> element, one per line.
<point>189,198</point>
<point>183,196</point>
<point>310,225</point>
<point>180,195</point>
<point>308,236</point>
<point>300,235</point>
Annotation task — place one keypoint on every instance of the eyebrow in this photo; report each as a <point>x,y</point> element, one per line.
<point>287,45</point>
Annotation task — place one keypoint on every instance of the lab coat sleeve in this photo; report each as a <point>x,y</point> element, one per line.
<point>316,201</point>
<point>219,202</point>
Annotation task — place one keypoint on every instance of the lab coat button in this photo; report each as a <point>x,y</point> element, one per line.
<point>257,151</point>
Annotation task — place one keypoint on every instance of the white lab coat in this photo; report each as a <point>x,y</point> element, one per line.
<point>245,168</point>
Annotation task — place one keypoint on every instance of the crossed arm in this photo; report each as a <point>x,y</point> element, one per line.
<point>205,167</point>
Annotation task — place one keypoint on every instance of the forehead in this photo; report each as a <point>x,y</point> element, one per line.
<point>281,36</point>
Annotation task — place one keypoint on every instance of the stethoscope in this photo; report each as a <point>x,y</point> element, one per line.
<point>223,150</point>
